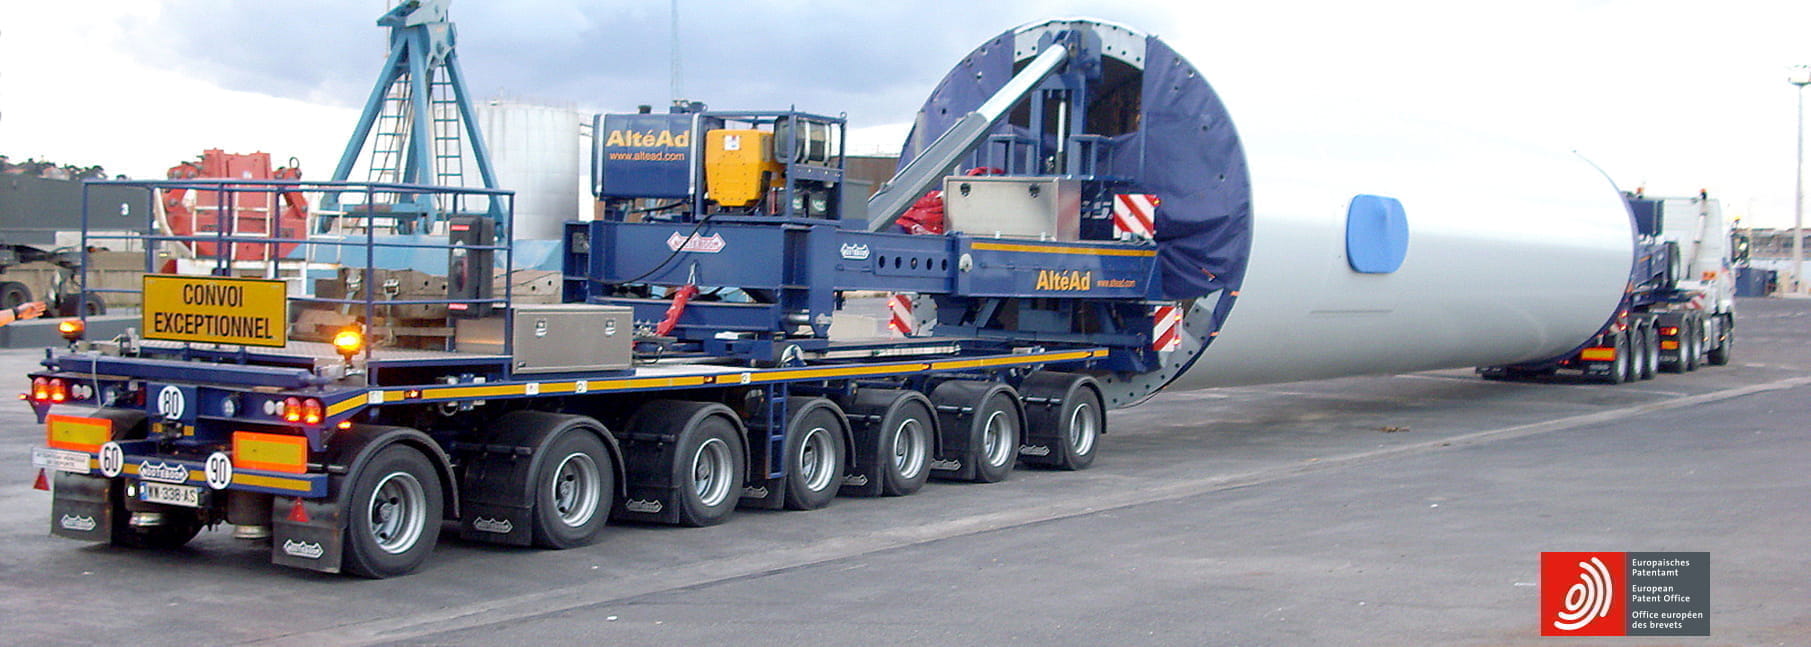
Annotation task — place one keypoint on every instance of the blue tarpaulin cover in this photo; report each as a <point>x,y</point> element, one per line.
<point>1186,151</point>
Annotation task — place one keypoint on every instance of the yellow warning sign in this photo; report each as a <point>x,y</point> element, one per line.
<point>251,312</point>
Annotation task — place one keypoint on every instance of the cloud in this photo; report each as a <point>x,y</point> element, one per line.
<point>875,61</point>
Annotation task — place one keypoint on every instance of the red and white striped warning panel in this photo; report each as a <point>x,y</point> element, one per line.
<point>1165,329</point>
<point>902,323</point>
<point>1697,302</point>
<point>1135,215</point>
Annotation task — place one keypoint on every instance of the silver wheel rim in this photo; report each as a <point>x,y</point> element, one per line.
<point>908,450</point>
<point>1083,427</point>
<point>996,438</point>
<point>817,459</point>
<point>575,489</point>
<point>711,471</point>
<point>398,512</point>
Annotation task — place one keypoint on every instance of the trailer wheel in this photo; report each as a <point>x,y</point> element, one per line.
<point>393,515</point>
<point>1726,339</point>
<point>1619,367</point>
<point>1691,343</point>
<point>1650,348</point>
<point>13,293</point>
<point>1064,418</point>
<point>709,469</point>
<point>574,488</point>
<point>83,305</point>
<point>997,425</point>
<point>906,446</point>
<point>815,452</point>
<point>894,435</point>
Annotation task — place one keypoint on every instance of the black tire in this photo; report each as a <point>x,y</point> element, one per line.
<point>1086,420</point>
<point>989,426</point>
<point>1691,344</point>
<point>1619,367</point>
<point>574,485</point>
<point>906,436</point>
<point>1650,353</point>
<point>13,293</point>
<point>86,305</point>
<point>709,467</point>
<point>393,514</point>
<point>1726,338</point>
<point>179,526</point>
<point>816,452</point>
<point>1066,408</point>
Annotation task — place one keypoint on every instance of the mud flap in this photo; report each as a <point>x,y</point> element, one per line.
<point>864,475</point>
<point>768,494</point>
<point>309,538</point>
<point>956,450</point>
<point>648,464</point>
<point>79,507</point>
<point>497,507</point>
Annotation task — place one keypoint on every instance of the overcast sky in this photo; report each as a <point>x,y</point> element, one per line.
<point>1673,95</point>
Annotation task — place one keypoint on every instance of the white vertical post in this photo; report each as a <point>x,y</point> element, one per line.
<point>1801,77</point>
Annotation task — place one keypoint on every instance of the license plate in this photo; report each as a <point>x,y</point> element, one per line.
<point>182,495</point>
<point>60,459</point>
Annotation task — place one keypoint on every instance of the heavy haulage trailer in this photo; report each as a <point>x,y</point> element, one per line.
<point>1101,218</point>
<point>1679,312</point>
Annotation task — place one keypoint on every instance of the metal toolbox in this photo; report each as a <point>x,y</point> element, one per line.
<point>556,338</point>
<point>1046,208</point>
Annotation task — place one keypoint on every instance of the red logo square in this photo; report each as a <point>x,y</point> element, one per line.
<point>1582,594</point>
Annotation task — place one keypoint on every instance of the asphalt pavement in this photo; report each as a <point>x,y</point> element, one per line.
<point>1384,510</point>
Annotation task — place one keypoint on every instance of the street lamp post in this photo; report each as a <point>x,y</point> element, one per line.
<point>1801,77</point>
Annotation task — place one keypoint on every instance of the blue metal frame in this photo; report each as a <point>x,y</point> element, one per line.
<point>421,47</point>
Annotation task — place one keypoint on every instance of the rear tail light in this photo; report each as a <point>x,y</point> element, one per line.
<point>308,411</point>
<point>59,390</point>
<point>40,389</point>
<point>1669,330</point>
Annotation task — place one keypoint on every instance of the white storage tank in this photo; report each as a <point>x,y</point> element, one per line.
<point>535,152</point>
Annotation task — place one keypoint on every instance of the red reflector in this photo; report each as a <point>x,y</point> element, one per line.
<point>298,513</point>
<point>43,482</point>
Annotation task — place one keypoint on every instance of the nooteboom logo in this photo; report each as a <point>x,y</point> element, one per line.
<point>1582,594</point>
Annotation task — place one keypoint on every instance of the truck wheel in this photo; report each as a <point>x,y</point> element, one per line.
<point>393,515</point>
<point>708,467</point>
<point>1726,339</point>
<point>995,432</point>
<point>1650,340</point>
<point>1619,367</point>
<point>814,452</point>
<point>80,305</point>
<point>574,487</point>
<point>905,437</point>
<point>1691,344</point>
<point>1063,412</point>
<point>13,293</point>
